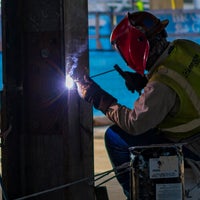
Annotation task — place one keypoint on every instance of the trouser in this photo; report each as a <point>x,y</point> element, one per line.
<point>118,143</point>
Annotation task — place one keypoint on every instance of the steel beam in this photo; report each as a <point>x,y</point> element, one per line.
<point>47,129</point>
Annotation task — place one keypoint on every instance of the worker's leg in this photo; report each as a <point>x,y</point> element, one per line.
<point>117,144</point>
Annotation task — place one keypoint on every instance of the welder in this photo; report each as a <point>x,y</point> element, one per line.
<point>168,109</point>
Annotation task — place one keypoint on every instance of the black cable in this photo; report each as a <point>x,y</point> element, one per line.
<point>76,182</point>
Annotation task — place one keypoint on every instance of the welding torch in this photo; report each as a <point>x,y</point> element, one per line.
<point>128,79</point>
<point>134,81</point>
<point>116,68</point>
<point>69,82</point>
<point>102,73</point>
<point>121,72</point>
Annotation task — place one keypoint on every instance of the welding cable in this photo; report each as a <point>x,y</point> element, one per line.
<point>103,174</point>
<point>118,168</point>
<point>116,175</point>
<point>117,171</point>
<point>88,179</point>
<point>52,189</point>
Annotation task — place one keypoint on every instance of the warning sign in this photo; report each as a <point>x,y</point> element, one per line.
<point>172,191</point>
<point>164,167</point>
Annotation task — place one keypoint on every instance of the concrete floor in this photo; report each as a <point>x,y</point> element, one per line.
<point>102,164</point>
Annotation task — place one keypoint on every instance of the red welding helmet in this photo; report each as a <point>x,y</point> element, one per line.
<point>131,37</point>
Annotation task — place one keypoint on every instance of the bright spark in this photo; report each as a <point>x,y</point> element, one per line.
<point>69,82</point>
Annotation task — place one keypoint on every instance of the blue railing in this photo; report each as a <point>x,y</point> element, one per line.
<point>183,24</point>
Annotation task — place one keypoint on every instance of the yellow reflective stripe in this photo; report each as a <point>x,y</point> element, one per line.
<point>184,84</point>
<point>185,127</point>
<point>191,94</point>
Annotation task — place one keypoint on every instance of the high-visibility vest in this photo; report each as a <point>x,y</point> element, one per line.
<point>181,71</point>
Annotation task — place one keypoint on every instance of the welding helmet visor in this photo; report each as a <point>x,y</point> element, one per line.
<point>132,40</point>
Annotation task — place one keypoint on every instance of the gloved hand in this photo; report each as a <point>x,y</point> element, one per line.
<point>93,93</point>
<point>135,82</point>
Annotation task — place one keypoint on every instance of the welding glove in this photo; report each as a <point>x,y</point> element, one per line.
<point>135,82</point>
<point>93,93</point>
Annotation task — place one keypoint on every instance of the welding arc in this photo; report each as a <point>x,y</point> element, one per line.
<point>102,73</point>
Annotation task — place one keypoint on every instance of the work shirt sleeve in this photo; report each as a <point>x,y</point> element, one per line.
<point>155,103</point>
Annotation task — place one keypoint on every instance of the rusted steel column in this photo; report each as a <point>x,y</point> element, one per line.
<point>48,141</point>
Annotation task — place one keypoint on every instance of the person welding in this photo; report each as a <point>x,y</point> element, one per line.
<point>168,74</point>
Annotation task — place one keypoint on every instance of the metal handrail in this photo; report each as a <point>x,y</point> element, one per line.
<point>113,16</point>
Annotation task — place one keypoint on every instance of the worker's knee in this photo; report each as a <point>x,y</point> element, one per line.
<point>114,138</point>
